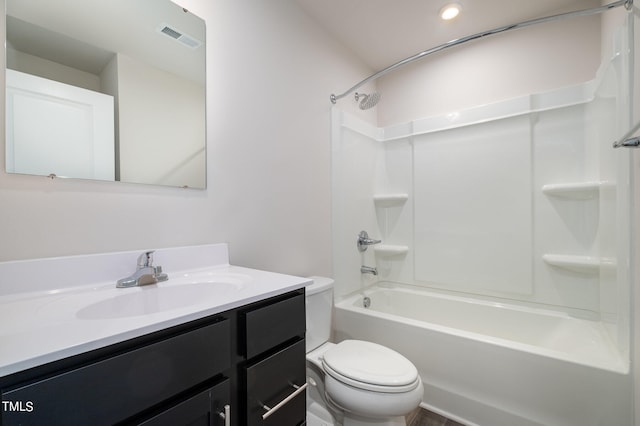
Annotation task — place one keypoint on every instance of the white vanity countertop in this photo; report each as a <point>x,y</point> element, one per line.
<point>46,325</point>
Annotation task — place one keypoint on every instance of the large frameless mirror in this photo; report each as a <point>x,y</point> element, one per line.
<point>106,89</point>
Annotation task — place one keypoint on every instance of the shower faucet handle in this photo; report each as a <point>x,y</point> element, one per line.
<point>364,241</point>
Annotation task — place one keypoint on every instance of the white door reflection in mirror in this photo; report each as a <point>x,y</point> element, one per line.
<point>56,128</point>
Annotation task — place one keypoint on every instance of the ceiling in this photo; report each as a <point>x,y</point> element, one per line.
<point>86,34</point>
<point>379,32</point>
<point>382,32</point>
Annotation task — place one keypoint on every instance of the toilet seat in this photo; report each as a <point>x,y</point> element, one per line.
<point>369,366</point>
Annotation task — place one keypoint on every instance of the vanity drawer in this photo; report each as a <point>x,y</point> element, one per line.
<point>273,380</point>
<point>113,389</point>
<point>269,326</point>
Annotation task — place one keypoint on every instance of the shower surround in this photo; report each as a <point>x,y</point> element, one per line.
<point>517,205</point>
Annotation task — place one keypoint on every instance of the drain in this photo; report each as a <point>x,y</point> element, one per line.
<point>366,301</point>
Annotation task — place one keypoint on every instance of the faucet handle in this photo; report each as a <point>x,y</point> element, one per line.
<point>364,241</point>
<point>146,259</point>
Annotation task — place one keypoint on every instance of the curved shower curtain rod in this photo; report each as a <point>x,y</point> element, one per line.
<point>626,3</point>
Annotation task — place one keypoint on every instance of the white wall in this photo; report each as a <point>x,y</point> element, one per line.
<point>529,60</point>
<point>35,65</point>
<point>161,133</point>
<point>635,234</point>
<point>610,20</point>
<point>270,73</point>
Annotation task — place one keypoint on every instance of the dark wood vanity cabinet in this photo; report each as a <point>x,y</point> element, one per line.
<point>184,375</point>
<point>273,375</point>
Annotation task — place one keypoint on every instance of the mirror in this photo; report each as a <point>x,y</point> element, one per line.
<point>106,89</point>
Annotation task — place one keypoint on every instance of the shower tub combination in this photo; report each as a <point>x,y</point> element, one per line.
<point>484,359</point>
<point>503,272</point>
<point>495,364</point>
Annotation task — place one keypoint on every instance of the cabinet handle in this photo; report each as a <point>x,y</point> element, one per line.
<point>226,415</point>
<point>279,405</point>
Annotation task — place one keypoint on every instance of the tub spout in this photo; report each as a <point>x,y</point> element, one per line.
<point>368,270</point>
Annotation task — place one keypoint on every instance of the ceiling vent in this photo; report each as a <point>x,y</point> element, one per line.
<point>179,36</point>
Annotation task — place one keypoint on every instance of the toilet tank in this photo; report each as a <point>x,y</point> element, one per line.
<point>319,306</point>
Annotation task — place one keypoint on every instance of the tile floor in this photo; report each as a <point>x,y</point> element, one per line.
<point>422,417</point>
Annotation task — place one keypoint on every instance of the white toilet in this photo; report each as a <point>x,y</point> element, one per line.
<point>353,382</point>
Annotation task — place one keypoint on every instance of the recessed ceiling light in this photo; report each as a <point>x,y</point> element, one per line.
<point>450,11</point>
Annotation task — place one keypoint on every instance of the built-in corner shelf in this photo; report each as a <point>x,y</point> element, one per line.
<point>390,200</point>
<point>388,250</point>
<point>575,190</point>
<point>581,264</point>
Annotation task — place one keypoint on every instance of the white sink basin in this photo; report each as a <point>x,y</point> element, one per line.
<point>179,292</point>
<point>152,299</point>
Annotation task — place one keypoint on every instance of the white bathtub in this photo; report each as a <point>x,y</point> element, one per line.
<point>492,364</point>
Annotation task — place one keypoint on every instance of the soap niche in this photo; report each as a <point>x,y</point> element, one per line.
<point>389,208</point>
<point>578,206</point>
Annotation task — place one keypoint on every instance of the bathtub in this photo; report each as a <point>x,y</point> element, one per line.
<point>493,364</point>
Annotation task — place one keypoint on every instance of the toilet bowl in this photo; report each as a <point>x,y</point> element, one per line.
<point>359,382</point>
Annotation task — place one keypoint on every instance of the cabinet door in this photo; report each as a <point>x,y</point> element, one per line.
<point>117,388</point>
<point>273,381</point>
<point>203,409</point>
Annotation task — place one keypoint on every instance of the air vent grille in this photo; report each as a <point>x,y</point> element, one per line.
<point>179,36</point>
<point>171,32</point>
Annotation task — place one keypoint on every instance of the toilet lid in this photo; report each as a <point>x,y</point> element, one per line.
<point>370,363</point>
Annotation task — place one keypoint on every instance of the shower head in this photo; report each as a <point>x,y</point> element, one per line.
<point>367,101</point>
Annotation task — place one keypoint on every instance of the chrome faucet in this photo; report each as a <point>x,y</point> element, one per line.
<point>368,270</point>
<point>145,273</point>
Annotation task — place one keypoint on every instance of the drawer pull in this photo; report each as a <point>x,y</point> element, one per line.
<point>226,415</point>
<point>279,405</point>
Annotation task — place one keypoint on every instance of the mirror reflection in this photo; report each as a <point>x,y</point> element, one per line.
<point>106,89</point>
